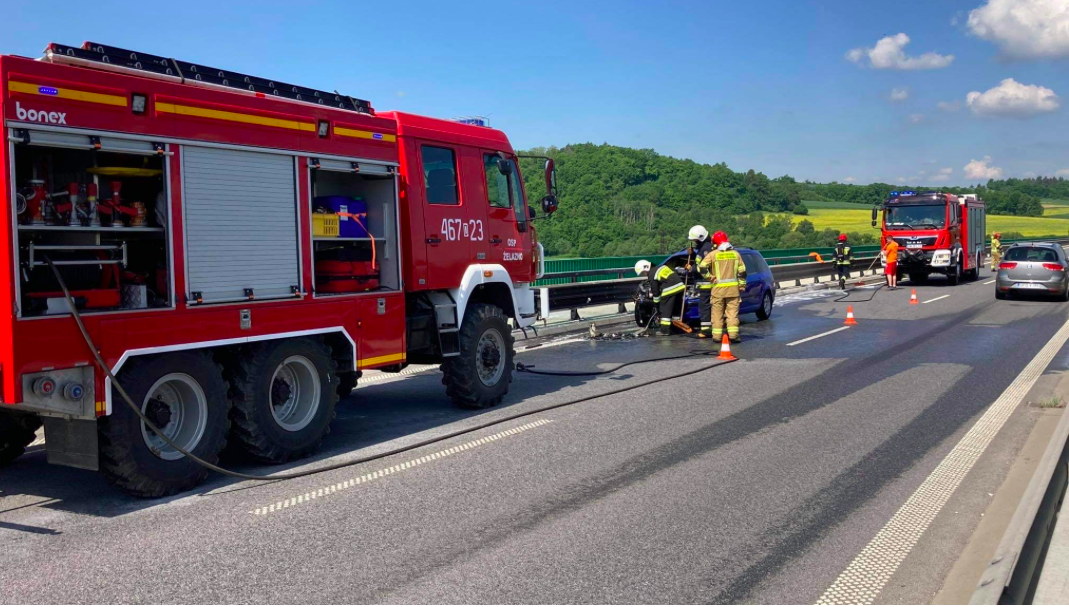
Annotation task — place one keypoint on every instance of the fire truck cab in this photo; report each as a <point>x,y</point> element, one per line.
<point>239,250</point>
<point>939,233</point>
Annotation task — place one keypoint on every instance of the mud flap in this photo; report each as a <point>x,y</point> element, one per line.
<point>72,442</point>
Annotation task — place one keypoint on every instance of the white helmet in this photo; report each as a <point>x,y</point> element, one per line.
<point>698,233</point>
<point>642,266</point>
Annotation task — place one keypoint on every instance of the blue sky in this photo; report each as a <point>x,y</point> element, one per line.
<point>762,85</point>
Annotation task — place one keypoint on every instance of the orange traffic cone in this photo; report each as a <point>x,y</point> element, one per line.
<point>850,316</point>
<point>725,349</point>
<point>913,298</point>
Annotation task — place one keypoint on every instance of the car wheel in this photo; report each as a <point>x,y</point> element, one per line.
<point>17,431</point>
<point>765,311</point>
<point>999,294</point>
<point>1064,294</point>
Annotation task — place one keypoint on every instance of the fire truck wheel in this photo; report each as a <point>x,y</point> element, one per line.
<point>480,376</point>
<point>346,384</point>
<point>954,274</point>
<point>16,433</point>
<point>184,395</point>
<point>284,394</point>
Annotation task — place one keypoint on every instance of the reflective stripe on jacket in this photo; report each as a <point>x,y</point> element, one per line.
<point>727,270</point>
<point>843,255</point>
<point>665,282</point>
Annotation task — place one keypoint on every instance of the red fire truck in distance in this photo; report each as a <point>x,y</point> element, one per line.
<point>938,233</point>
<point>239,251</point>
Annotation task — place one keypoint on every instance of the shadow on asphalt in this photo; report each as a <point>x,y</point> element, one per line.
<point>372,416</point>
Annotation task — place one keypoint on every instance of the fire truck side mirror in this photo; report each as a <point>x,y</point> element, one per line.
<point>551,177</point>
<point>874,216</point>
<point>503,165</point>
<point>549,204</point>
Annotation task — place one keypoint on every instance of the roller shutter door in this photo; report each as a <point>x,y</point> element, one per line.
<point>241,224</point>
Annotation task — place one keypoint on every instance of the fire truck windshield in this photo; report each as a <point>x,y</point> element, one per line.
<point>916,216</point>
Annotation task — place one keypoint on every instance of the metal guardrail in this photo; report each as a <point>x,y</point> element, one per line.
<point>619,284</point>
<point>621,289</point>
<point>1013,572</point>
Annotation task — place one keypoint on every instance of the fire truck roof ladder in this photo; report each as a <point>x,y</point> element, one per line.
<point>99,56</point>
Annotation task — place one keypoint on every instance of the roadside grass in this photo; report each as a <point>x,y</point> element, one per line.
<point>1053,402</point>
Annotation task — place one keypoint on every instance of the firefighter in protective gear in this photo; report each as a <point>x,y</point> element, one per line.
<point>667,289</point>
<point>700,247</point>
<point>996,250</point>
<point>726,270</point>
<point>843,258</point>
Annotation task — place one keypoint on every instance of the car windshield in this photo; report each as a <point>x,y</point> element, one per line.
<point>1039,254</point>
<point>916,216</point>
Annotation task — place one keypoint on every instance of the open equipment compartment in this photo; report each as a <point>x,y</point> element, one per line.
<point>354,228</point>
<point>98,208</point>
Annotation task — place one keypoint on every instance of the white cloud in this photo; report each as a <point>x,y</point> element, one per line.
<point>982,170</point>
<point>942,175</point>
<point>401,93</point>
<point>1024,29</point>
<point>898,94</point>
<point>916,118</point>
<point>1011,98</point>
<point>888,54</point>
<point>1032,174</point>
<point>849,180</point>
<point>949,106</point>
<point>900,180</point>
<point>1061,173</point>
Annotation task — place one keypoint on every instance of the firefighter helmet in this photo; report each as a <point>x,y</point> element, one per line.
<point>842,237</point>
<point>719,238</point>
<point>698,233</point>
<point>642,266</point>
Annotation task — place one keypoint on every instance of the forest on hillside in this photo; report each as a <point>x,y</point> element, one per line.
<point>624,201</point>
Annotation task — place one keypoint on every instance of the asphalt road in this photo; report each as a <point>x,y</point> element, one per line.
<point>754,481</point>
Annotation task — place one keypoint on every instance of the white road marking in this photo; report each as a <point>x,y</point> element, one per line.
<point>339,486</point>
<point>869,572</point>
<point>824,334</point>
<point>989,282</point>
<point>935,299</point>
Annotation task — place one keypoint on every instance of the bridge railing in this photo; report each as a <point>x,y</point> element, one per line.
<point>572,284</point>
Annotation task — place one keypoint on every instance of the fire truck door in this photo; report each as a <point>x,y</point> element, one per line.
<point>448,229</point>
<point>507,222</point>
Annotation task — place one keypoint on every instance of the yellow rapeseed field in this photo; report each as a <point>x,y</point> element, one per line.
<point>1055,221</point>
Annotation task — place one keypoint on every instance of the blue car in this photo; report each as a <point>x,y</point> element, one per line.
<point>757,299</point>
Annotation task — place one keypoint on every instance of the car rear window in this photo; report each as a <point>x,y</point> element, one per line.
<point>1041,254</point>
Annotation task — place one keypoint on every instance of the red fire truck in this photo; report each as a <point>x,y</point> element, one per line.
<point>239,250</point>
<point>938,234</point>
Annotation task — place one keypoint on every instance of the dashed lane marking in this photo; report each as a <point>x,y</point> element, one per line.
<point>869,572</point>
<point>818,336</point>
<point>935,299</point>
<point>305,498</point>
<point>989,282</point>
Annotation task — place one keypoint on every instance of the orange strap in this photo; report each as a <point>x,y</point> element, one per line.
<point>356,217</point>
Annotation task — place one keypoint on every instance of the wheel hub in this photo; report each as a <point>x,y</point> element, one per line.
<point>489,357</point>
<point>281,391</point>
<point>158,412</point>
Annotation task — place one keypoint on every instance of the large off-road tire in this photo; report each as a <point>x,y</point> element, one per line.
<point>283,394</point>
<point>17,431</point>
<point>184,394</point>
<point>346,384</point>
<point>765,311</point>
<point>480,376</point>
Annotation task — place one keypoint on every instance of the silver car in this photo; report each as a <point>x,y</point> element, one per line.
<point>1033,267</point>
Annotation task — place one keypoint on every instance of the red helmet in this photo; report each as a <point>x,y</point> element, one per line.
<point>842,237</point>
<point>720,238</point>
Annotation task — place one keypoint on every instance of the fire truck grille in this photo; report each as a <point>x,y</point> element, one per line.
<point>926,241</point>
